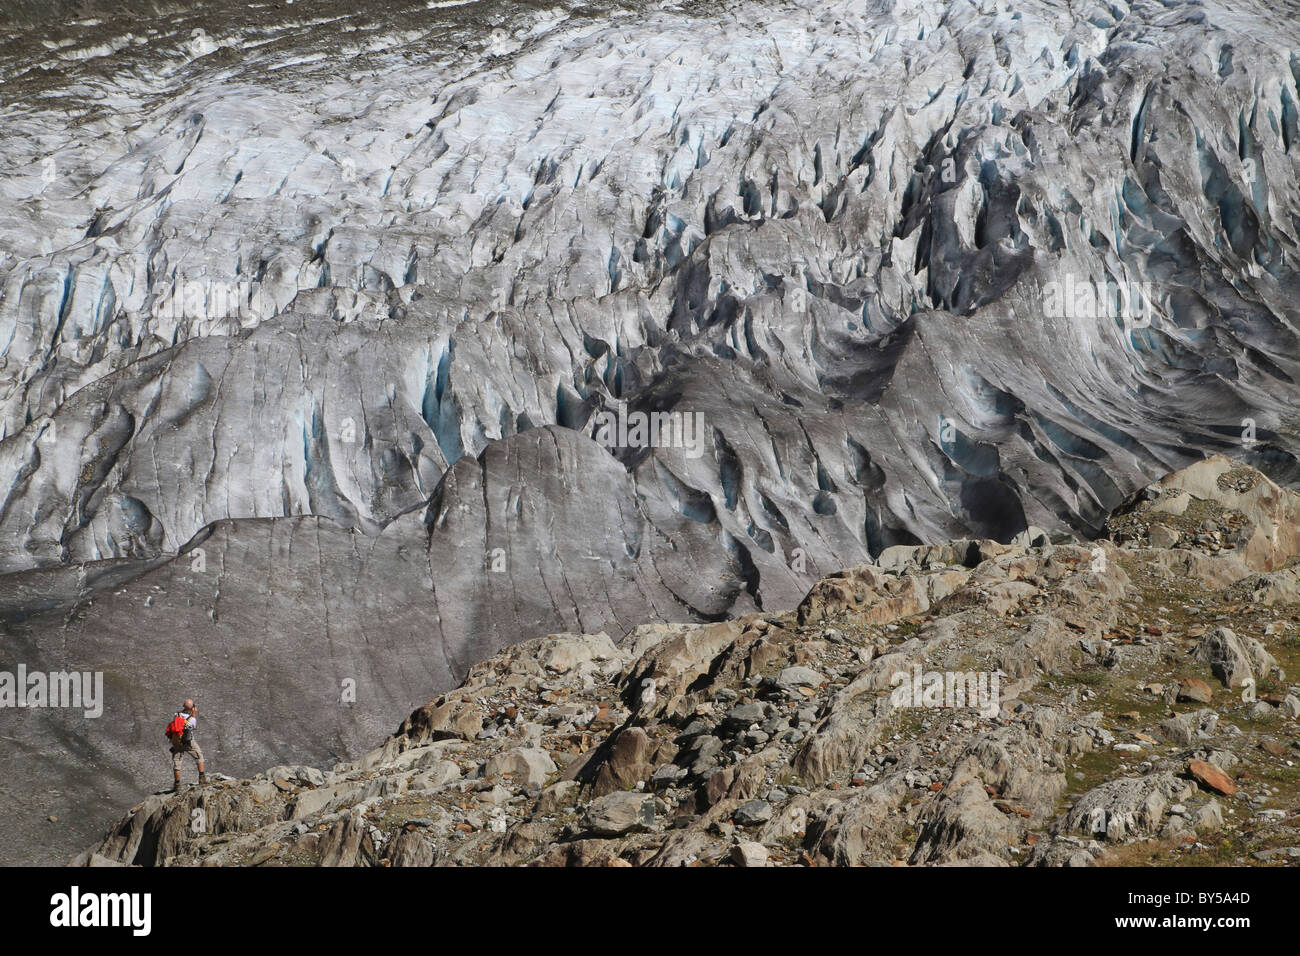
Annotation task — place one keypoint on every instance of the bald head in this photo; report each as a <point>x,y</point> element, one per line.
<point>189,705</point>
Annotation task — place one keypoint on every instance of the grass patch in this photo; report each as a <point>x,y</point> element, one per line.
<point>1097,767</point>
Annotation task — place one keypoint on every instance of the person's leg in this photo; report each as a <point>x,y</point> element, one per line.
<point>177,759</point>
<point>198,756</point>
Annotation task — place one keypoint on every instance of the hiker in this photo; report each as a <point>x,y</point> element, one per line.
<point>181,734</point>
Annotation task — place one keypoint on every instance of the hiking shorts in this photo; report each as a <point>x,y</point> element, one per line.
<point>178,755</point>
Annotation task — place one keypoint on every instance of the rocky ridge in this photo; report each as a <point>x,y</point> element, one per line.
<point>1141,714</point>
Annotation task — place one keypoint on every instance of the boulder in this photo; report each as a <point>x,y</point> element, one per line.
<point>1194,690</point>
<point>753,813</point>
<point>626,761</point>
<point>793,679</point>
<point>618,813</point>
<point>1234,660</point>
<point>562,653</point>
<point>748,853</point>
<point>1208,775</point>
<point>526,766</point>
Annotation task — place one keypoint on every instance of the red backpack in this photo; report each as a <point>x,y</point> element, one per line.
<point>176,728</point>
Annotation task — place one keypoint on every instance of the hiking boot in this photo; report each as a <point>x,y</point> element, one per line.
<point>176,787</point>
<point>203,778</point>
